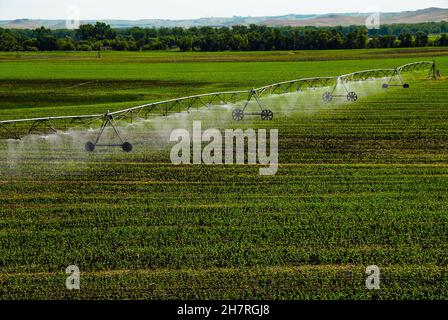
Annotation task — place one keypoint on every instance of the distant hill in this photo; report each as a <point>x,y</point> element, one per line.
<point>347,19</point>
<point>328,20</point>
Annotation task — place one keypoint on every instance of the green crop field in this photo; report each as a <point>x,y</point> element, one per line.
<point>358,184</point>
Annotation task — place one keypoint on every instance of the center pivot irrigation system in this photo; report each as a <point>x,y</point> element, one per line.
<point>16,129</point>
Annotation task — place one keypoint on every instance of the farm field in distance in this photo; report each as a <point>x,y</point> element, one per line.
<point>358,184</point>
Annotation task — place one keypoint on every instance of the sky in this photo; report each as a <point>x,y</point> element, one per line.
<point>189,9</point>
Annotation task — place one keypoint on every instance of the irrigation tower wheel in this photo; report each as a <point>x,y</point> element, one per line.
<point>406,85</point>
<point>89,146</point>
<point>352,96</point>
<point>327,96</point>
<point>385,86</point>
<point>267,115</point>
<point>127,147</point>
<point>238,114</point>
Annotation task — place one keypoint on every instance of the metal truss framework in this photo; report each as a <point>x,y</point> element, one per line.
<point>16,129</point>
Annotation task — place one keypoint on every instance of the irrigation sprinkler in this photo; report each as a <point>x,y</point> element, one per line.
<point>108,120</point>
<point>350,95</point>
<point>343,80</point>
<point>396,80</point>
<point>265,114</point>
<point>16,129</point>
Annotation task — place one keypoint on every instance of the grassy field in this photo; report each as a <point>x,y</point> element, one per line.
<point>359,184</point>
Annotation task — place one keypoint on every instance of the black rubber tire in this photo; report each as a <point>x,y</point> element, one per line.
<point>385,86</point>
<point>238,115</point>
<point>327,97</point>
<point>127,147</point>
<point>267,115</point>
<point>352,96</point>
<point>406,86</point>
<point>89,146</point>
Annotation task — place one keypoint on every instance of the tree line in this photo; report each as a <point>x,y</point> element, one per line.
<point>101,36</point>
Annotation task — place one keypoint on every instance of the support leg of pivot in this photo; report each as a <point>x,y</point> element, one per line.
<point>265,114</point>
<point>108,121</point>
<point>402,84</point>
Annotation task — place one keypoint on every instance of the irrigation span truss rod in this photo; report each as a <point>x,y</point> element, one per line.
<point>16,129</point>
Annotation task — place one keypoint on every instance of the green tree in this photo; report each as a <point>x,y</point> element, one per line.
<point>421,39</point>
<point>66,44</point>
<point>8,42</point>
<point>443,40</point>
<point>405,40</point>
<point>185,43</point>
<point>99,31</point>
<point>45,41</point>
<point>387,41</point>
<point>85,32</point>
<point>138,34</point>
<point>374,42</point>
<point>336,40</point>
